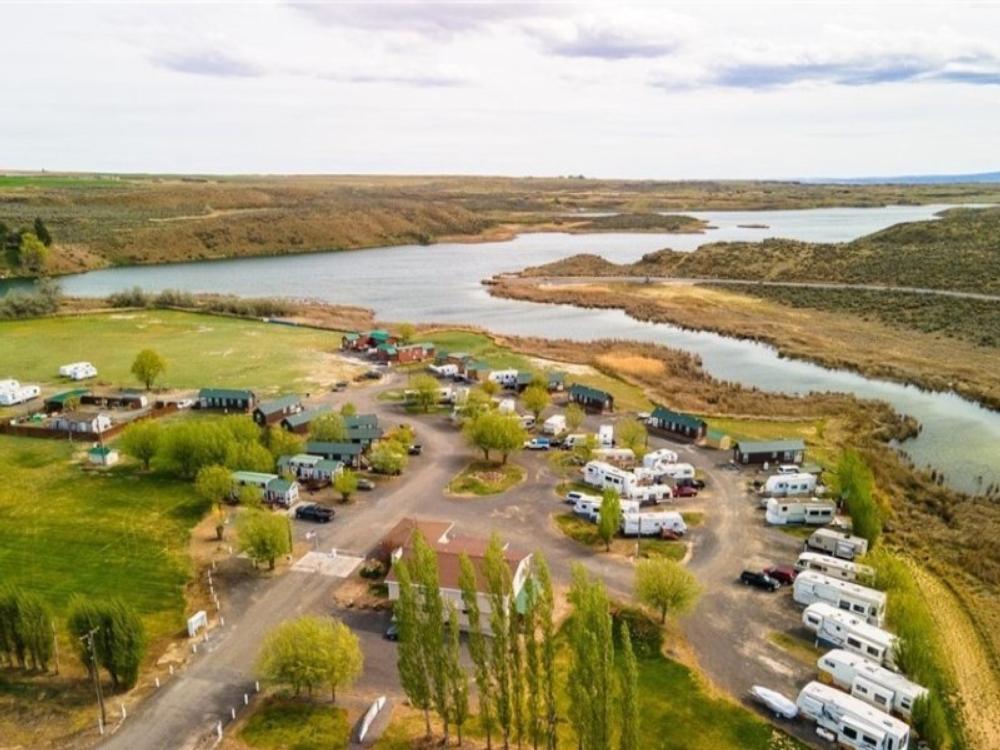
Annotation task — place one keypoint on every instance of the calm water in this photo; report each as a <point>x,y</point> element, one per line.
<point>440,283</point>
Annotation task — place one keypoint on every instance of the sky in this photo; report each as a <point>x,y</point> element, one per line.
<point>604,89</point>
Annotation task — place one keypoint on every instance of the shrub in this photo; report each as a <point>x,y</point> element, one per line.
<point>646,633</point>
<point>373,569</point>
<point>134,297</point>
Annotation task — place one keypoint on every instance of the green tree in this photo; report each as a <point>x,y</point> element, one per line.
<point>490,388</point>
<point>147,367</point>
<point>348,410</point>
<point>494,431</point>
<point>281,442</point>
<point>458,680</point>
<point>33,254</point>
<point>536,399</point>
<point>141,440</point>
<point>250,496</point>
<point>27,636</point>
<point>584,452</point>
<point>426,391</point>
<point>249,457</point>
<point>413,672</point>
<point>574,417</point>
<point>263,536</point>
<point>855,485</point>
<point>187,446</point>
<point>328,428</point>
<point>628,681</point>
<point>929,720</point>
<point>532,665</point>
<point>665,586</point>
<point>517,678</point>
<point>344,658</point>
<point>477,402</point>
<point>632,434</point>
<point>478,648</point>
<point>346,483</point>
<point>545,604</point>
<point>406,332</point>
<point>311,651</point>
<point>119,637</point>
<point>388,458</point>
<point>42,232</point>
<point>214,483</point>
<point>432,627</point>
<point>591,670</point>
<point>609,516</point>
<point>499,588</point>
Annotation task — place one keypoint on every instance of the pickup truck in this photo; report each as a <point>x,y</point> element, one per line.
<point>537,444</point>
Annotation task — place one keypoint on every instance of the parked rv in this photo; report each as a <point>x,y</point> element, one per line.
<point>840,629</point>
<point>12,392</point>
<point>855,723</point>
<point>606,436</point>
<point>554,425</point>
<point>572,497</point>
<point>811,512</point>
<point>677,471</point>
<point>662,456</point>
<point>652,524</point>
<point>788,485</point>
<point>812,586</point>
<point>617,456</point>
<point>834,567</point>
<point>838,543</point>
<point>590,506</point>
<point>871,682</point>
<point>78,371</point>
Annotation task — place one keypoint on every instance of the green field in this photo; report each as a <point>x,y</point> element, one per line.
<point>482,478</point>
<point>294,725</point>
<point>66,531</point>
<point>200,350</point>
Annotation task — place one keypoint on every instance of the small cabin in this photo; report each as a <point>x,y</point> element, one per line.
<point>677,423</point>
<point>769,451</point>
<point>226,399</point>
<point>592,399</point>
<point>271,412</point>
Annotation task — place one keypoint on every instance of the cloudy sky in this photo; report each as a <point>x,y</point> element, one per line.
<point>663,90</point>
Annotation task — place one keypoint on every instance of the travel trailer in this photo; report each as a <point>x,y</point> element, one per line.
<point>812,512</point>
<point>78,371</point>
<point>840,629</point>
<point>578,438</point>
<point>12,392</point>
<point>786,485</point>
<point>447,370</point>
<point>623,457</point>
<point>855,723</point>
<point>554,425</point>
<point>506,378</point>
<point>837,543</point>
<point>589,506</point>
<point>677,471</point>
<point>870,682</point>
<point>812,586</point>
<point>662,456</point>
<point>652,524</point>
<point>834,567</point>
<point>603,475</point>
<point>606,436</point>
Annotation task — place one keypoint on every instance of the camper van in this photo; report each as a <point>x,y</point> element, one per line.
<point>606,435</point>
<point>554,425</point>
<point>786,485</point>
<point>652,524</point>
<point>837,543</point>
<point>840,629</point>
<point>811,586</point>
<point>78,371</point>
<point>870,682</point>
<point>812,512</point>
<point>834,567</point>
<point>12,392</point>
<point>662,456</point>
<point>505,378</point>
<point>855,723</point>
<point>589,506</point>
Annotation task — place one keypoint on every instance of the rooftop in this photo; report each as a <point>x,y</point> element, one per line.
<point>591,394</point>
<point>669,415</point>
<point>339,449</point>
<point>228,393</point>
<point>771,446</point>
<point>278,404</point>
<point>305,417</point>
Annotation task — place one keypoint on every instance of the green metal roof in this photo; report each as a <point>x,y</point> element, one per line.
<point>230,394</point>
<point>100,450</point>
<point>771,446</point>
<point>279,485</point>
<point>257,477</point>
<point>305,417</point>
<point>364,432</point>
<point>279,404</point>
<point>686,420</point>
<point>588,393</point>
<point>716,434</point>
<point>387,348</point>
<point>525,378</point>
<point>329,464</point>
<point>352,336</point>
<point>477,365</point>
<point>557,377</point>
<point>358,420</point>
<point>335,449</point>
<point>62,398</point>
<point>299,458</point>
<point>379,334</point>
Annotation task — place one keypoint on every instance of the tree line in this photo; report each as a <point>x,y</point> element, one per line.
<point>27,248</point>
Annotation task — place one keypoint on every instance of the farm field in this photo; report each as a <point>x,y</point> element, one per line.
<point>200,350</point>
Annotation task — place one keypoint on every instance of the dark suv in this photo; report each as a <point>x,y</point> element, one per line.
<point>759,580</point>
<point>317,513</point>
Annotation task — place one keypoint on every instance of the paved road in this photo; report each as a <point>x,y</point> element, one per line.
<point>709,280</point>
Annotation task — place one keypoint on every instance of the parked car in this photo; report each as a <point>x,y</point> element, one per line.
<point>365,484</point>
<point>537,444</point>
<point>317,513</point>
<point>392,632</point>
<point>415,449</point>
<point>340,386</point>
<point>759,580</point>
<point>670,534</point>
<point>685,490</point>
<point>372,375</point>
<point>698,484</point>
<point>783,574</point>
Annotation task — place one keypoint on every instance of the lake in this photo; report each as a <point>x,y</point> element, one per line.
<point>441,283</point>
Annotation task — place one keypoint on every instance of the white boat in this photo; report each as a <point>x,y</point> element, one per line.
<point>778,704</point>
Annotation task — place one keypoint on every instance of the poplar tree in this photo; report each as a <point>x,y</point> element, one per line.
<point>458,680</point>
<point>629,685</point>
<point>516,677</point>
<point>26,634</point>
<point>498,582</point>
<point>532,666</point>
<point>410,654</point>
<point>478,649</point>
<point>431,610</point>
<point>591,682</point>
<point>547,633</point>
<point>609,516</point>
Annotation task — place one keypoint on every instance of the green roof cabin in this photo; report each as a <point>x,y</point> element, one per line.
<point>593,399</point>
<point>791,451</point>
<point>677,423</point>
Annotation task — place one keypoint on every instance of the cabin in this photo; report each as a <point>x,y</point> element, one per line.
<point>811,586</point>
<point>839,629</point>
<point>449,548</point>
<point>274,489</point>
<point>592,399</point>
<point>102,455</point>
<point>414,353</point>
<point>717,439</point>
<point>837,543</point>
<point>301,422</point>
<point>677,423</point>
<point>523,381</point>
<point>275,410</point>
<point>348,454</point>
<point>87,422</point>
<point>855,724</point>
<point>475,371</point>
<point>361,420</point>
<point>363,434</point>
<point>557,381</point>
<point>59,401</point>
<point>362,342</point>
<point>12,392</point>
<point>307,466</point>
<point>226,399</point>
<point>115,400</point>
<point>834,567</point>
<point>769,451</point>
<point>870,682</point>
<point>788,512</point>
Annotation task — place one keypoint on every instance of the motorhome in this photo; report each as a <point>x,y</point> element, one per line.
<point>812,586</point>
<point>812,512</point>
<point>787,485</point>
<point>606,435</point>
<point>78,371</point>
<point>12,392</point>
<point>834,567</point>
<point>870,682</point>
<point>554,425</point>
<point>840,629</point>
<point>589,506</point>
<point>662,456</point>
<point>837,543</point>
<point>855,723</point>
<point>652,524</point>
<point>629,485</point>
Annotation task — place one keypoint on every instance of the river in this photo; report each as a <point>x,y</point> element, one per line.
<point>441,283</point>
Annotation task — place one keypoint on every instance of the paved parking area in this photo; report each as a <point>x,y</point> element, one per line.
<point>328,564</point>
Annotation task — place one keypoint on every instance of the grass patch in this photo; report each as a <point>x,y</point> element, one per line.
<point>693,517</point>
<point>200,350</point>
<point>799,532</point>
<point>583,531</point>
<point>282,724</point>
<point>483,478</point>
<point>479,346</point>
<point>802,650</point>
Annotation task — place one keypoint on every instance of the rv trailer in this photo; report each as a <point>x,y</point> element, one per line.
<point>834,567</point>
<point>652,524</point>
<point>589,506</point>
<point>812,586</point>
<point>786,485</point>
<point>855,723</point>
<point>837,543</point>
<point>811,512</point>
<point>839,629</point>
<point>870,682</point>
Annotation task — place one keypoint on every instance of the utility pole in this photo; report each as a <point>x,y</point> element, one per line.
<point>55,645</point>
<point>89,638</point>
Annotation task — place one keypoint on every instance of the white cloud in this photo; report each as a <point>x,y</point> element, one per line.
<point>617,35</point>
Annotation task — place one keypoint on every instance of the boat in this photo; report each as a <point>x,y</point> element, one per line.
<point>778,704</point>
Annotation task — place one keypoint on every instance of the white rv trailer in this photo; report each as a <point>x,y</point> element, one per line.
<point>840,629</point>
<point>577,438</point>
<point>812,586</point>
<point>589,506</point>
<point>677,471</point>
<point>838,543</point>
<point>78,371</point>
<point>870,682</point>
<point>554,424</point>
<point>787,469</point>
<point>786,485</point>
<point>606,435</point>
<point>855,723</point>
<point>448,370</point>
<point>812,512</point>
<point>834,567</point>
<point>504,377</point>
<point>616,456</point>
<point>652,524</point>
<point>605,476</point>
<point>12,392</point>
<point>661,456</point>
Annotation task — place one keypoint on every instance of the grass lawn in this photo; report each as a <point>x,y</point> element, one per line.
<point>65,531</point>
<point>583,531</point>
<point>799,532</point>
<point>802,650</point>
<point>282,724</point>
<point>200,350</point>
<point>810,430</point>
<point>693,517</point>
<point>483,478</point>
<point>479,346</point>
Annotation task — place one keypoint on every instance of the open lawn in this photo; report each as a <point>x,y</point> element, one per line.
<point>66,531</point>
<point>282,724</point>
<point>585,532</point>
<point>482,478</point>
<point>200,350</point>
<point>479,346</point>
